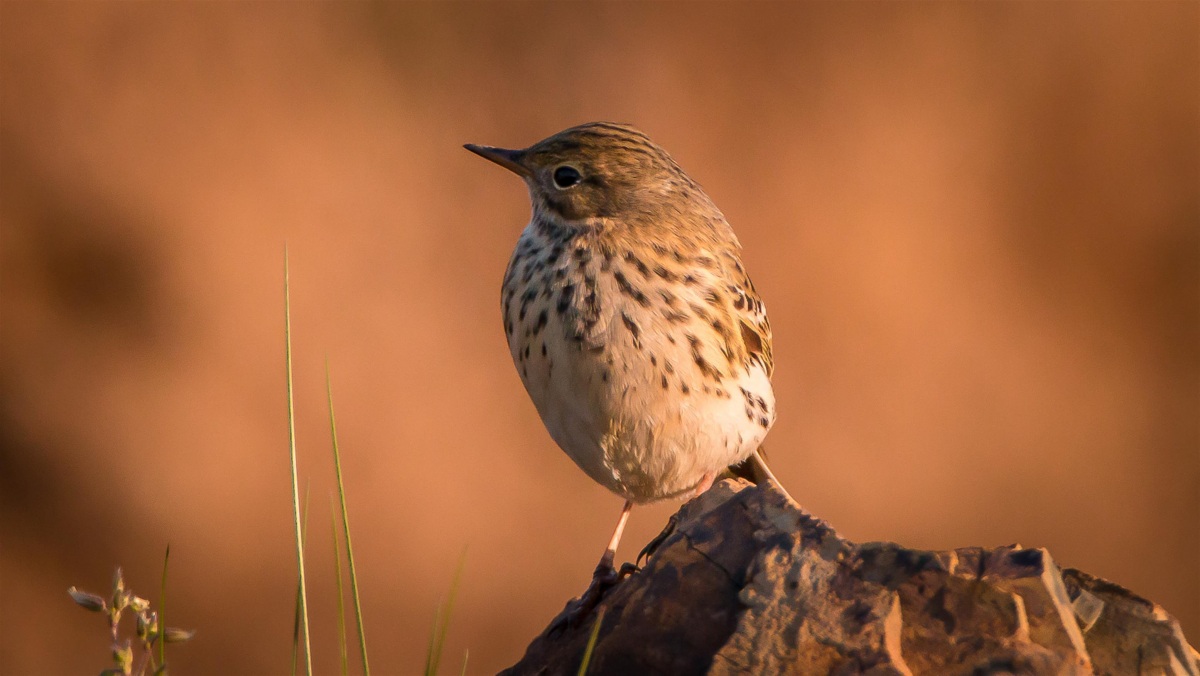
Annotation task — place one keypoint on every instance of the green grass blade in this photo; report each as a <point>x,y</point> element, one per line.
<point>591,644</point>
<point>466,655</point>
<point>337,465</point>
<point>341,593</point>
<point>162,606</point>
<point>287,333</point>
<point>296,619</point>
<point>441,621</point>
<point>430,669</point>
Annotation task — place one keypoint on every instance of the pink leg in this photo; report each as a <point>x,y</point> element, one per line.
<point>706,483</point>
<point>606,561</point>
<point>603,579</point>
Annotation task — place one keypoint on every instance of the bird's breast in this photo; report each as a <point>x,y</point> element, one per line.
<point>627,356</point>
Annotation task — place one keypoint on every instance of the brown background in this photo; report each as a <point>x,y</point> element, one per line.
<point>975,227</point>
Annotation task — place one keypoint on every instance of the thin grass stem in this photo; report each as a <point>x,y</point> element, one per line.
<point>441,621</point>
<point>162,607</point>
<point>341,594</point>
<point>296,618</point>
<point>591,644</point>
<point>287,331</point>
<point>430,667</point>
<point>337,465</point>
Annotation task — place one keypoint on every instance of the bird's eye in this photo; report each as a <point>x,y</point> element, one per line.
<point>566,176</point>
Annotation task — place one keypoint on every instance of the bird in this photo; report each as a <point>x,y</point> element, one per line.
<point>632,322</point>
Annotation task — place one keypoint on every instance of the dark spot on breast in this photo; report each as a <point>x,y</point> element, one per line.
<point>684,388</point>
<point>628,289</point>
<point>723,331</point>
<point>633,329</point>
<point>708,369</point>
<point>553,231</point>
<point>564,298</point>
<point>676,317</point>
<point>664,273</point>
<point>541,322</point>
<point>544,349</point>
<point>582,254</point>
<point>642,269</point>
<point>665,384</point>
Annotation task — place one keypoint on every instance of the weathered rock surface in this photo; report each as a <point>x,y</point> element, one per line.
<point>748,583</point>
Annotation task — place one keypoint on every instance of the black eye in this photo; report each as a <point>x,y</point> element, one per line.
<point>566,176</point>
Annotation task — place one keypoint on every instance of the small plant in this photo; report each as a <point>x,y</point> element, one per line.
<point>149,630</point>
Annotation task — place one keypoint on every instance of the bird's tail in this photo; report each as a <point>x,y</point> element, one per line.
<point>755,470</point>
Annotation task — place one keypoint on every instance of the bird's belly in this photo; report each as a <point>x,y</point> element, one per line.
<point>635,417</point>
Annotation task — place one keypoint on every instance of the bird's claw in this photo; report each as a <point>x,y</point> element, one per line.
<point>604,578</point>
<point>654,544</point>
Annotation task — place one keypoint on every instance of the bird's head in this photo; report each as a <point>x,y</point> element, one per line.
<point>600,172</point>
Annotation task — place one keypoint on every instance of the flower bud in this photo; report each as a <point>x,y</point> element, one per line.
<point>87,601</point>
<point>176,635</point>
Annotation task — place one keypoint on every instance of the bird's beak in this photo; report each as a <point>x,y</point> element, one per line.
<point>509,159</point>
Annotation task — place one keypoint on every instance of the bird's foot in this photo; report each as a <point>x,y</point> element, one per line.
<point>604,578</point>
<point>654,544</point>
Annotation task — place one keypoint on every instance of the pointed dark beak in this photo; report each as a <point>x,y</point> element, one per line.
<point>509,159</point>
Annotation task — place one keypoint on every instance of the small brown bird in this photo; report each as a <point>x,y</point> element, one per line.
<point>630,317</point>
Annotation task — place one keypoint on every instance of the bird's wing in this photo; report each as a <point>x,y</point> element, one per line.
<point>755,327</point>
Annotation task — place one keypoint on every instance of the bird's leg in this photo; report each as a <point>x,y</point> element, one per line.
<point>606,561</point>
<point>706,483</point>
<point>604,577</point>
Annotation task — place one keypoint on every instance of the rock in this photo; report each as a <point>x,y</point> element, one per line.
<point>748,583</point>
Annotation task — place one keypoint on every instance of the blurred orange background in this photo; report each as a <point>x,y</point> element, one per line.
<point>975,227</point>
